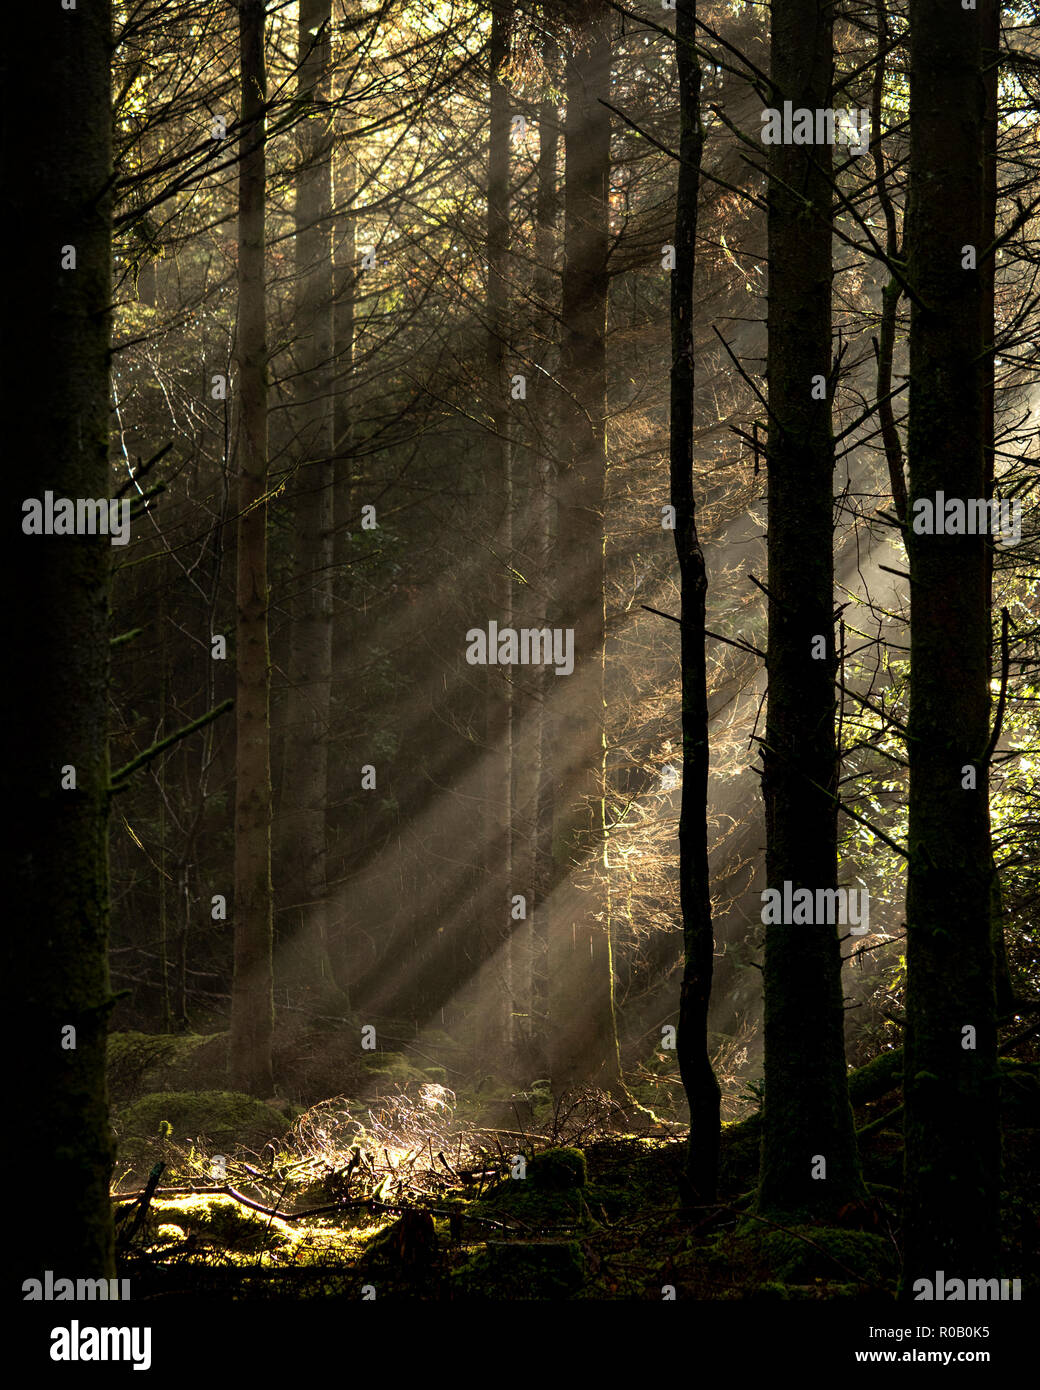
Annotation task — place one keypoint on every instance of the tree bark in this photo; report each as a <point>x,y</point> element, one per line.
<point>584,1037</point>
<point>544,563</point>
<point>252,997</point>
<point>698,1077</point>
<point>304,794</point>
<point>56,381</point>
<point>500,482</point>
<point>806,1112</point>
<point>952,1153</point>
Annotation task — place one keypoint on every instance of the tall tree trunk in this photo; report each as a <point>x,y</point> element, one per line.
<point>345,508</point>
<point>584,1037</point>
<point>809,1161</point>
<point>57,384</point>
<point>989,20</point>
<point>252,996</point>
<point>952,1174</point>
<point>345,259</point>
<point>500,481</point>
<point>543,563</point>
<point>698,1077</point>
<point>304,792</point>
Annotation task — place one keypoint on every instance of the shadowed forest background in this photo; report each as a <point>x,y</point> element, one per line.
<point>393,319</point>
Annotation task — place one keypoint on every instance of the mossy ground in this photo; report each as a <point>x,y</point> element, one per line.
<point>600,1220</point>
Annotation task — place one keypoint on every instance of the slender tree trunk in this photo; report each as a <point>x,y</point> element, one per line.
<point>698,1077</point>
<point>952,1174</point>
<point>56,381</point>
<point>252,997</point>
<point>584,1033</point>
<point>345,503</point>
<point>809,1162</point>
<point>304,794</point>
<point>544,564</point>
<point>345,258</point>
<point>500,480</point>
<point>893,289</point>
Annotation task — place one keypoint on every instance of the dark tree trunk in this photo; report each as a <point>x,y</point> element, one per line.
<point>698,1077</point>
<point>952,1138</point>
<point>56,382</point>
<point>304,791</point>
<point>807,1117</point>
<point>989,20</point>
<point>584,1036</point>
<point>252,997</point>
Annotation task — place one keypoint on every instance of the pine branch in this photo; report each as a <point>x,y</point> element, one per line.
<point>164,743</point>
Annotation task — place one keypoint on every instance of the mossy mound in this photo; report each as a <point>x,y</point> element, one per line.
<point>522,1271</point>
<point>802,1254</point>
<point>219,1222</point>
<point>394,1069</point>
<point>226,1119</point>
<point>552,1201</point>
<point>556,1169</point>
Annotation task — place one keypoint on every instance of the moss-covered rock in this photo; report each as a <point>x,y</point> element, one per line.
<point>527,1271</point>
<point>556,1204</point>
<point>558,1168</point>
<point>800,1254</point>
<point>224,1118</point>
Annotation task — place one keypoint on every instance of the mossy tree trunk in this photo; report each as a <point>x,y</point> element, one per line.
<point>56,384</point>
<point>950,1086</point>
<point>698,1077</point>
<point>252,996</point>
<point>809,1160</point>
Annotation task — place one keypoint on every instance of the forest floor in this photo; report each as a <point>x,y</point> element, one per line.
<point>422,1194</point>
